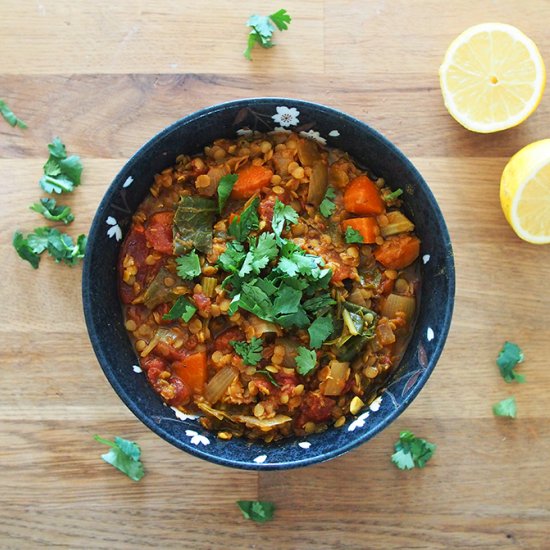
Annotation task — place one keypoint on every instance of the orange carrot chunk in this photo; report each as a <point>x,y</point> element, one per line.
<point>363,197</point>
<point>192,371</point>
<point>367,227</point>
<point>251,179</point>
<point>398,252</point>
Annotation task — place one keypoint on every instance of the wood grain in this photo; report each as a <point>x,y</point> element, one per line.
<point>106,77</point>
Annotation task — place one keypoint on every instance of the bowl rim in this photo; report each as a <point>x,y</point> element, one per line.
<point>359,437</point>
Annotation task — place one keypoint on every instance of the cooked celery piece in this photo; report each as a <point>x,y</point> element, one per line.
<point>397,223</point>
<point>209,286</point>
<point>219,383</point>
<point>395,303</point>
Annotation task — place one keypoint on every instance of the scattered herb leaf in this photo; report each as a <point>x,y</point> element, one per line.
<point>327,206</point>
<point>263,28</point>
<point>509,357</point>
<point>306,360</point>
<point>269,376</point>
<point>182,309</point>
<point>394,195</point>
<point>506,407</point>
<point>319,331</point>
<point>61,173</point>
<point>282,214</point>
<point>411,451</point>
<point>225,186</point>
<point>25,251</point>
<point>52,211</point>
<point>251,353</point>
<point>353,236</point>
<point>124,455</point>
<point>188,266</point>
<point>257,510</point>
<point>243,224</point>
<point>9,117</point>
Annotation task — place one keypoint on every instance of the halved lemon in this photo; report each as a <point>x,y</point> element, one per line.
<point>492,77</point>
<point>525,192</point>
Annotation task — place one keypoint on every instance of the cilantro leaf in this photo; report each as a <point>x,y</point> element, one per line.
<point>257,510</point>
<point>182,309</point>
<point>124,455</point>
<point>353,236</point>
<point>282,214</point>
<point>319,331</point>
<point>306,360</point>
<point>411,451</point>
<point>232,257</point>
<point>24,250</point>
<point>281,19</point>
<point>287,301</point>
<point>188,266</point>
<point>263,28</point>
<point>225,186</point>
<point>9,117</point>
<point>52,211</point>
<point>507,360</point>
<point>327,207</point>
<point>392,196</point>
<point>506,407</point>
<point>251,353</point>
<point>319,303</point>
<point>61,174</point>
<point>269,376</point>
<point>254,300</point>
<point>243,224</point>
<point>259,254</point>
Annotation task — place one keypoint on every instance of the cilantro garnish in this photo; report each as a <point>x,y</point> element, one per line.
<point>319,331</point>
<point>263,28</point>
<point>225,186</point>
<point>392,196</point>
<point>61,173</point>
<point>353,236</point>
<point>507,360</point>
<point>281,215</point>
<point>243,224</point>
<point>411,451</point>
<point>306,360</point>
<point>319,304</point>
<point>123,455</point>
<point>59,245</point>
<point>251,353</point>
<point>327,207</point>
<point>260,253</point>
<point>506,407</point>
<point>182,309</point>
<point>52,211</point>
<point>269,376</point>
<point>257,510</point>
<point>9,117</point>
<point>188,266</point>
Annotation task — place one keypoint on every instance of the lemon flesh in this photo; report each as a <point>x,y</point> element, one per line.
<point>492,77</point>
<point>525,192</point>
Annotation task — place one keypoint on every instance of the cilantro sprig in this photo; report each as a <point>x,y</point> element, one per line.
<point>257,510</point>
<point>182,309</point>
<point>327,206</point>
<point>306,360</point>
<point>319,331</point>
<point>263,29</point>
<point>188,266</point>
<point>124,455</point>
<point>412,451</point>
<point>10,117</point>
<point>61,173</point>
<point>52,211</point>
<point>509,357</point>
<point>250,352</point>
<point>58,245</point>
<point>225,186</point>
<point>506,407</point>
<point>353,236</point>
<point>243,224</point>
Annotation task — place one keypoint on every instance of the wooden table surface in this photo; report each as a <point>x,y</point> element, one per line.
<point>105,76</point>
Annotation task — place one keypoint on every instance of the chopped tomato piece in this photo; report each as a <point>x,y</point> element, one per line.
<point>222,341</point>
<point>159,233</point>
<point>316,407</point>
<point>203,302</point>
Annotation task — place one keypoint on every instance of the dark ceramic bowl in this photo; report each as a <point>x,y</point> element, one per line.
<point>103,311</point>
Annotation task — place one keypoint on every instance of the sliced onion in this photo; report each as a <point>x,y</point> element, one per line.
<point>395,303</point>
<point>397,223</point>
<point>264,424</point>
<point>318,183</point>
<point>219,383</point>
<point>336,381</point>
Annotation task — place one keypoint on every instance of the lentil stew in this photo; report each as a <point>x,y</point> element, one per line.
<point>270,285</point>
